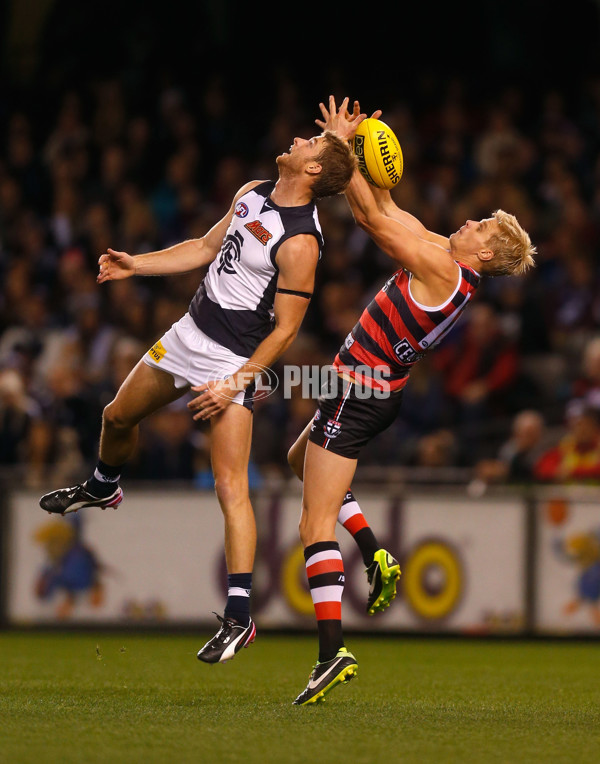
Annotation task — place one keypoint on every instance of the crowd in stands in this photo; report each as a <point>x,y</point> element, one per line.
<point>513,393</point>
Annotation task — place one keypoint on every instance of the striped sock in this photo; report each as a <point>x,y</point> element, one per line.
<point>325,571</point>
<point>353,520</point>
<point>239,586</point>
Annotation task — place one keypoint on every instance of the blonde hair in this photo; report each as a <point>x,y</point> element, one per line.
<point>512,247</point>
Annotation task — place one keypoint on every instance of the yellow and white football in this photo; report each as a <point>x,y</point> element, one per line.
<point>378,152</point>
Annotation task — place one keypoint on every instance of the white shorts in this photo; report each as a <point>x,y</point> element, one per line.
<point>192,358</point>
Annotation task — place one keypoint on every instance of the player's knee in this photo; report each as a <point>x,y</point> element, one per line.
<point>115,418</point>
<point>230,488</point>
<point>296,460</point>
<point>290,457</point>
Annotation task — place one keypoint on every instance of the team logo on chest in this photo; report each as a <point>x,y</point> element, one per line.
<point>230,252</point>
<point>258,230</point>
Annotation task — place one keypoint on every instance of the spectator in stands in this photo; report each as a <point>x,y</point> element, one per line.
<point>574,304</point>
<point>576,457</point>
<point>150,165</point>
<point>436,449</point>
<point>518,456</point>
<point>479,368</point>
<point>587,385</point>
<point>23,433</point>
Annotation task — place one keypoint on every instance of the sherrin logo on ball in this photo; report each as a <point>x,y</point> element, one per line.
<point>378,152</point>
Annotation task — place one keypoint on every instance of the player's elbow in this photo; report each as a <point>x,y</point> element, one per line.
<point>287,335</point>
<point>286,328</point>
<point>361,218</point>
<point>370,220</point>
<point>204,253</point>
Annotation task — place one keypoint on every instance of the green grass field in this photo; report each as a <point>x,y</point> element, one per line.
<point>145,698</point>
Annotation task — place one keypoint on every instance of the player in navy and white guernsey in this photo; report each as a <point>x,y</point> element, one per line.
<point>413,311</point>
<point>261,258</point>
<point>234,304</point>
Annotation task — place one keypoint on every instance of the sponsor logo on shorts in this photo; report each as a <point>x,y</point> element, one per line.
<point>258,230</point>
<point>241,209</point>
<point>332,428</point>
<point>157,351</point>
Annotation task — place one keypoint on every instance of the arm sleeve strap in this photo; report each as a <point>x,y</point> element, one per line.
<point>305,295</point>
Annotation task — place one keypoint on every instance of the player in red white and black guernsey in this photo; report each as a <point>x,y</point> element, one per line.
<point>261,259</point>
<point>413,311</point>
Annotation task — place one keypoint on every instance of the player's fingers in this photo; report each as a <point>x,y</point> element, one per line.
<point>197,404</point>
<point>207,412</point>
<point>376,114</point>
<point>115,255</point>
<point>324,111</point>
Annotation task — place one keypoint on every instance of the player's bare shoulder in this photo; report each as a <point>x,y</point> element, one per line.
<point>247,187</point>
<point>437,238</point>
<point>436,260</point>
<point>435,277</point>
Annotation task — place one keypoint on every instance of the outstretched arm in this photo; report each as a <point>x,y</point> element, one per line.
<point>345,125</point>
<point>402,242</point>
<point>180,258</point>
<point>388,207</point>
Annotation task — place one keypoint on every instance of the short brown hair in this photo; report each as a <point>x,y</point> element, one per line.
<point>512,247</point>
<point>337,165</point>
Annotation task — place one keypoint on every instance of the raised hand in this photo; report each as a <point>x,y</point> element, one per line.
<point>340,121</point>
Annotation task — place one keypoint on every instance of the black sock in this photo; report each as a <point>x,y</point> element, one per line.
<point>367,544</point>
<point>331,638</point>
<point>239,586</point>
<point>104,481</point>
<point>353,520</point>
